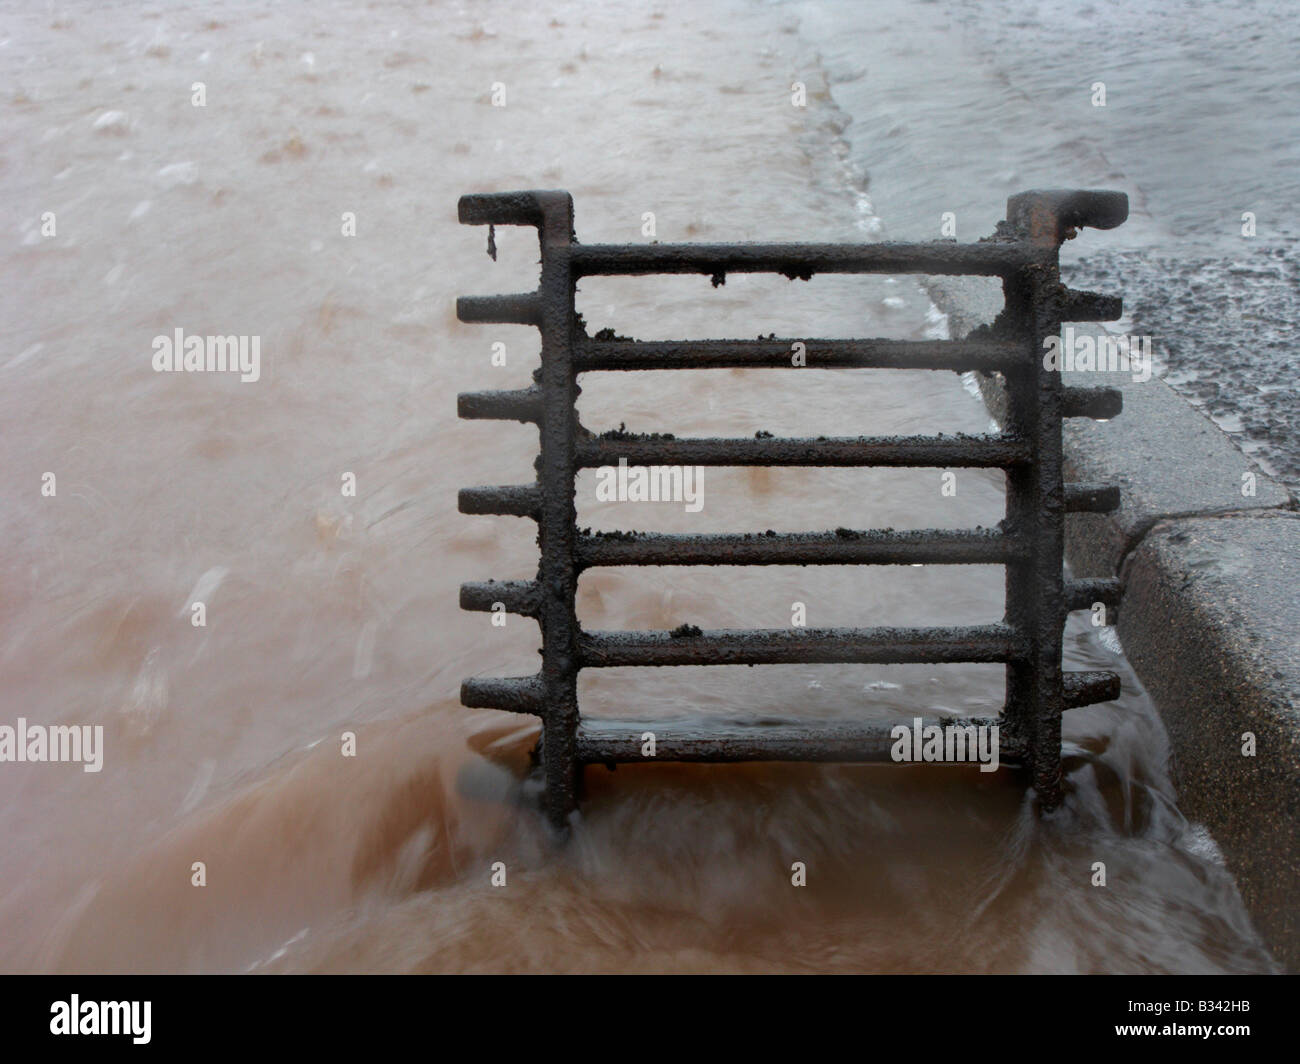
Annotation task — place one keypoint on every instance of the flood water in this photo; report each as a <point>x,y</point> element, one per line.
<point>329,614</point>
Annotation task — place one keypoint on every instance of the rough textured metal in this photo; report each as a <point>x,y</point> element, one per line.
<point>611,741</point>
<point>988,452</point>
<point>1028,542</point>
<point>842,547</point>
<point>775,354</point>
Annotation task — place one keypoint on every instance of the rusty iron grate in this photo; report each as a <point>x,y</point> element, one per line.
<point>1023,252</point>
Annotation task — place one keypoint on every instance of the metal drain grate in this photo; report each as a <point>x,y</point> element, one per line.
<point>1028,542</point>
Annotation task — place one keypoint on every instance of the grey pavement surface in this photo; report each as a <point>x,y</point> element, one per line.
<point>1224,329</point>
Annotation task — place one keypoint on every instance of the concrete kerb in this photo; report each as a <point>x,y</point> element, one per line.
<point>1210,622</point>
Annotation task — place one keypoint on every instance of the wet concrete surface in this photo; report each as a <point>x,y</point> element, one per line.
<point>1224,329</point>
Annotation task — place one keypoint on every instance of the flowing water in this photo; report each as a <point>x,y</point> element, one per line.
<point>329,614</point>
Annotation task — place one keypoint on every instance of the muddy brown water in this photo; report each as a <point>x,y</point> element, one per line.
<point>329,614</point>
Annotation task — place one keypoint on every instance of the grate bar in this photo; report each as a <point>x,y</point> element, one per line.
<point>1050,216</point>
<point>1082,594</point>
<point>801,646</point>
<point>1086,688</point>
<point>1090,306</point>
<point>557,571</point>
<point>514,500</point>
<point>841,547</point>
<point>1099,403</point>
<point>515,694</point>
<point>504,208</point>
<point>960,356</point>
<point>517,596</point>
<point>938,451</point>
<point>992,259</point>
<point>524,405</point>
<point>1091,498</point>
<point>700,739</point>
<point>522,309</point>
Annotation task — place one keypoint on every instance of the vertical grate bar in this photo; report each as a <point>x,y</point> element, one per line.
<point>1036,494</point>
<point>1023,490</point>
<point>1043,738</point>
<point>557,573</point>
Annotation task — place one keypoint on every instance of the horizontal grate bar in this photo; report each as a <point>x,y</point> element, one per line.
<point>516,500</point>
<point>985,452</point>
<point>515,694</point>
<point>1085,688</point>
<point>1091,498</point>
<point>522,309</point>
<point>841,547</point>
<point>958,355</point>
<point>517,596</point>
<point>1091,402</point>
<point>1090,306</point>
<point>1081,594</point>
<point>991,259</point>
<point>799,646</point>
<point>696,739</point>
<point>523,405</point>
<point>500,208</point>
